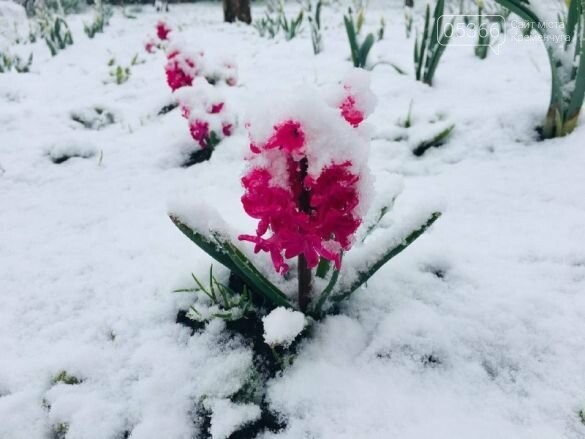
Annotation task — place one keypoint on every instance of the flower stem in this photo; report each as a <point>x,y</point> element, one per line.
<point>304,272</point>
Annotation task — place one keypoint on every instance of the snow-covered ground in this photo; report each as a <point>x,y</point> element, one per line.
<point>494,347</point>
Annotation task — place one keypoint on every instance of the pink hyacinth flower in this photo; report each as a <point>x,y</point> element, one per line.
<point>162,30</point>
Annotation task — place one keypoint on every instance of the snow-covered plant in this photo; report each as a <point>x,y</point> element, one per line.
<point>160,40</point>
<point>100,21</point>
<point>308,185</point>
<point>290,27</point>
<point>483,34</point>
<point>314,17</point>
<point>183,66</point>
<point>565,46</point>
<point>161,5</point>
<point>221,71</point>
<point>408,16</point>
<point>359,50</point>
<point>429,49</point>
<point>94,118</point>
<point>210,121</point>
<point>119,74</point>
<point>162,30</point>
<point>217,300</point>
<point>381,29</point>
<point>55,31</point>
<point>9,62</point>
<point>267,26</point>
<point>435,141</point>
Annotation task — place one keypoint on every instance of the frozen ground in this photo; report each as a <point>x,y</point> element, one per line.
<point>88,258</point>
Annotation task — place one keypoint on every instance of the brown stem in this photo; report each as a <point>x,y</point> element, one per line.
<point>304,272</point>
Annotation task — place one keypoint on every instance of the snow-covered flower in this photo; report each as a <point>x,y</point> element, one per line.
<point>353,97</point>
<point>306,183</point>
<point>162,30</point>
<point>151,45</point>
<point>210,119</point>
<point>222,71</point>
<point>182,67</point>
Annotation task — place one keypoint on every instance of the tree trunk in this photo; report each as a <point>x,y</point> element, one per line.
<point>237,10</point>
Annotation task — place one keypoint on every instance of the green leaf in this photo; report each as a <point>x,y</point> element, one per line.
<point>422,52</point>
<point>323,268</point>
<point>252,275</point>
<point>227,254</point>
<point>433,62</point>
<point>437,140</point>
<point>578,95</point>
<point>366,273</point>
<point>208,244</point>
<point>365,50</point>
<point>317,310</point>
<point>352,37</point>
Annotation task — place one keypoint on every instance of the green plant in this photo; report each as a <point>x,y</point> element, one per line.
<point>434,142</point>
<point>217,300</point>
<point>120,74</point>
<point>100,21</point>
<point>381,29</point>
<point>93,118</point>
<point>275,19</point>
<point>220,248</point>
<point>567,62</point>
<point>290,27</point>
<point>408,16</point>
<point>429,49</point>
<point>359,51</point>
<point>9,62</point>
<point>315,24</point>
<point>483,34</point>
<point>65,378</point>
<point>55,30</point>
<point>267,26</point>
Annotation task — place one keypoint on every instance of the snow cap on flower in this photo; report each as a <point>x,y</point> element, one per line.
<point>222,70</point>
<point>353,97</point>
<point>206,110</point>
<point>305,148</point>
<point>183,65</point>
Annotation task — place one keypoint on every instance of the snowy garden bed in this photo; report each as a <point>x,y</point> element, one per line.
<point>476,328</point>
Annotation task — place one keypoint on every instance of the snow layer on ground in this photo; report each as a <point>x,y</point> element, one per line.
<point>477,330</point>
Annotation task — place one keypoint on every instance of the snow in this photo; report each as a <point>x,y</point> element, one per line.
<point>476,330</point>
<point>227,417</point>
<point>14,25</point>
<point>282,326</point>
